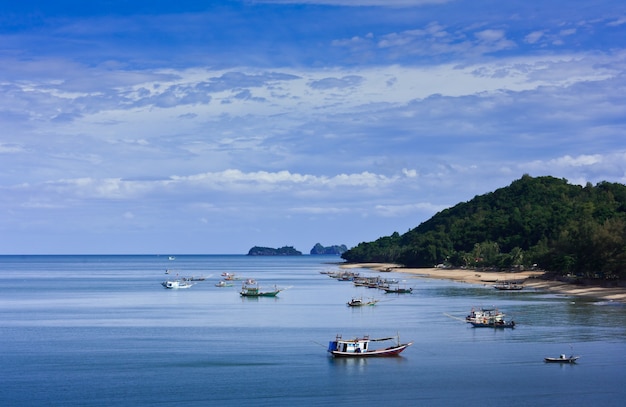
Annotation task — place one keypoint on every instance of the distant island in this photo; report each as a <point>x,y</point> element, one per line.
<point>270,251</point>
<point>336,249</point>
<point>318,249</point>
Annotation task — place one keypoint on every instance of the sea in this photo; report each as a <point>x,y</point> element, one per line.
<point>101,330</point>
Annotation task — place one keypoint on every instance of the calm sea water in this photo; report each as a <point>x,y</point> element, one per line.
<point>102,331</point>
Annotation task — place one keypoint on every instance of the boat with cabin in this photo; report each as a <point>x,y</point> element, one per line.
<point>359,302</point>
<point>360,347</point>
<point>253,290</point>
<point>480,314</point>
<point>176,284</point>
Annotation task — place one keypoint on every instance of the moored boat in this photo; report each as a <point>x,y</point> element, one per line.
<point>493,323</point>
<point>358,302</point>
<point>562,359</point>
<point>480,314</point>
<point>253,290</point>
<point>508,286</point>
<point>398,290</point>
<point>360,347</point>
<point>176,284</point>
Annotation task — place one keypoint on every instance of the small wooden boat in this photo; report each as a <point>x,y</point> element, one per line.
<point>562,359</point>
<point>253,290</point>
<point>176,284</point>
<point>359,347</point>
<point>358,302</point>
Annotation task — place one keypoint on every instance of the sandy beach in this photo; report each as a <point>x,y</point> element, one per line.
<point>528,278</point>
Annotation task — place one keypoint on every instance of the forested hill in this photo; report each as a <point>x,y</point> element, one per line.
<point>543,221</point>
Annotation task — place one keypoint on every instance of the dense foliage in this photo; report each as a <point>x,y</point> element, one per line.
<point>535,222</point>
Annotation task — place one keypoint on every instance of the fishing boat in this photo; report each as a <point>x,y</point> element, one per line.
<point>358,302</point>
<point>508,286</point>
<point>230,276</point>
<point>176,284</point>
<point>224,283</point>
<point>359,347</point>
<point>253,290</point>
<point>398,290</point>
<point>480,314</point>
<point>562,359</point>
<point>493,323</point>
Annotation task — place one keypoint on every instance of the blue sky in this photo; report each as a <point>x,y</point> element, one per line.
<point>214,126</point>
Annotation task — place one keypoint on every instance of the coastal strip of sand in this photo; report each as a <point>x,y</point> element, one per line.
<point>530,279</point>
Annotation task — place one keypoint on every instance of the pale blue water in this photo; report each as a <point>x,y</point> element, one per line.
<point>101,331</point>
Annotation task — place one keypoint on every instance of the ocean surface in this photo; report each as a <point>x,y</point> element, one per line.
<point>102,331</point>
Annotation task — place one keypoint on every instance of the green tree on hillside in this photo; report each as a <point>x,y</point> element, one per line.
<point>564,228</point>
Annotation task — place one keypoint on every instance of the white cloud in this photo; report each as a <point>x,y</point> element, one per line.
<point>534,37</point>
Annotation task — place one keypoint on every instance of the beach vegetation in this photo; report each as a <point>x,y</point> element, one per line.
<point>534,223</point>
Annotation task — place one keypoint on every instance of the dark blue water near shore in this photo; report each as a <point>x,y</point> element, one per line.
<point>101,331</point>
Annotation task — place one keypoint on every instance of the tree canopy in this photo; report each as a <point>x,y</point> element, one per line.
<point>544,222</point>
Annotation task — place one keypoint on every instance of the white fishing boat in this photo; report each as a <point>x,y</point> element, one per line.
<point>482,314</point>
<point>359,302</point>
<point>360,347</point>
<point>176,284</point>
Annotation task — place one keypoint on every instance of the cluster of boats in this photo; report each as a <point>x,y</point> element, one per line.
<point>249,288</point>
<point>360,347</point>
<point>389,286</point>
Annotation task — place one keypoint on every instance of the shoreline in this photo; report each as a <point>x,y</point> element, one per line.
<point>530,279</point>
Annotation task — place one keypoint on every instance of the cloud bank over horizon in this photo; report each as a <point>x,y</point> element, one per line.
<point>216,128</point>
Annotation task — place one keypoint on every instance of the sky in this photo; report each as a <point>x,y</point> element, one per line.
<point>210,127</point>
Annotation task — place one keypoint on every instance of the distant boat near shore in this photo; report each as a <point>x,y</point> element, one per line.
<point>508,286</point>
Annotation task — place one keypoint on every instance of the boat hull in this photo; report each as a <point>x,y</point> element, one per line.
<point>268,294</point>
<point>571,359</point>
<point>493,325</point>
<point>388,352</point>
